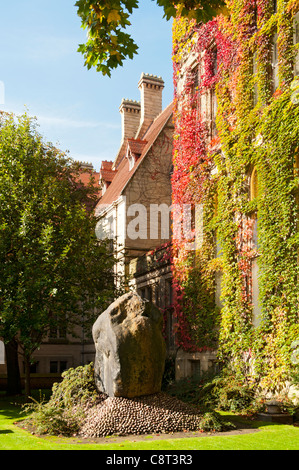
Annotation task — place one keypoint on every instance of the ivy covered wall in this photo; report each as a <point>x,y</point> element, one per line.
<point>242,173</point>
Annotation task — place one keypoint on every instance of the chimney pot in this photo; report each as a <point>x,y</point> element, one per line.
<point>151,88</point>
<point>130,113</point>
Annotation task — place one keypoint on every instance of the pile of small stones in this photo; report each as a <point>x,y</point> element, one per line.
<point>157,413</point>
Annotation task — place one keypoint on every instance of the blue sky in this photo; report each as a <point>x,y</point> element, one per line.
<point>42,72</point>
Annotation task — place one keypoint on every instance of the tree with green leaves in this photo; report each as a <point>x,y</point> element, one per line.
<point>108,43</point>
<point>54,271</point>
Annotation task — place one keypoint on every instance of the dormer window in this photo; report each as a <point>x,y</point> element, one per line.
<point>134,151</point>
<point>131,161</point>
<point>105,186</point>
<point>131,158</point>
<point>106,175</point>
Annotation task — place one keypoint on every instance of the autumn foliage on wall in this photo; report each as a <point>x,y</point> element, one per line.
<point>242,179</point>
<point>194,289</point>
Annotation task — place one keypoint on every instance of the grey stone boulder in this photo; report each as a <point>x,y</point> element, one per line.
<point>130,348</point>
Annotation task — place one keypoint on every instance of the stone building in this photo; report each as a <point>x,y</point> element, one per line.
<point>230,75</point>
<point>135,206</point>
<point>151,275</point>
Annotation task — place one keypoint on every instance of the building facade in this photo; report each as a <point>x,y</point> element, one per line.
<point>134,192</point>
<point>134,209</point>
<point>151,277</point>
<point>236,165</point>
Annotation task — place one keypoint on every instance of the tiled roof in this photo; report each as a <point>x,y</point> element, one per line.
<point>123,174</point>
<point>136,146</point>
<point>106,165</point>
<point>107,175</point>
<point>106,172</point>
<point>87,176</point>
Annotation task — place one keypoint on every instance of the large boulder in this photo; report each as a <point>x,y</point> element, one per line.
<point>130,349</point>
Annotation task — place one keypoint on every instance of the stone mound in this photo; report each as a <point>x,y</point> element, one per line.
<point>157,413</point>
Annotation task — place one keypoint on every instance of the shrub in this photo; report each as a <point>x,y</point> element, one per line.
<point>217,392</point>
<point>228,394</point>
<point>77,387</point>
<point>187,390</point>
<point>66,408</point>
<point>211,421</point>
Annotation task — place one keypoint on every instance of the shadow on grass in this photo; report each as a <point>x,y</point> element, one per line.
<point>249,422</point>
<point>11,407</point>
<point>11,411</point>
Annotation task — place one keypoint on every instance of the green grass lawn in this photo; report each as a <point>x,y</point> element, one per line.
<point>269,437</point>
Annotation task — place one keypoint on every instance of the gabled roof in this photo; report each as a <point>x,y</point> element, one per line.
<point>124,174</point>
<point>86,176</point>
<point>106,165</point>
<point>107,175</point>
<point>106,172</point>
<point>136,146</point>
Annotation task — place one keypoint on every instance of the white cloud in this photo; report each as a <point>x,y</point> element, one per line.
<point>59,121</point>
<point>73,123</point>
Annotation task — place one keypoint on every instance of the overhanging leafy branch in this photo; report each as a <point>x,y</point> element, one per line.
<point>109,44</point>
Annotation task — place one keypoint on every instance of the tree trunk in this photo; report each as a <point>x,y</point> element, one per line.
<point>27,377</point>
<point>14,386</point>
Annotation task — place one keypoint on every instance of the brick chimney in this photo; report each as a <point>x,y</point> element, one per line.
<point>130,118</point>
<point>151,88</point>
<point>136,117</point>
